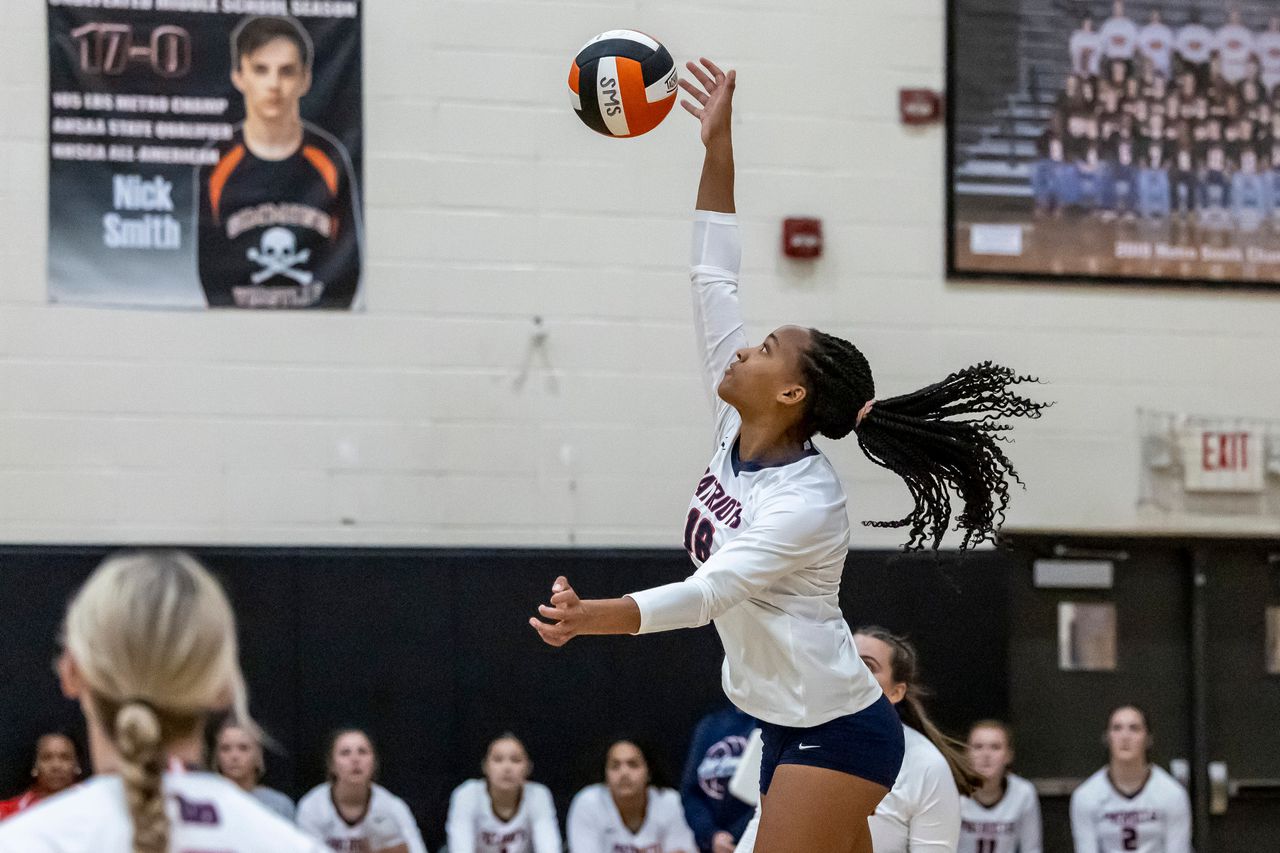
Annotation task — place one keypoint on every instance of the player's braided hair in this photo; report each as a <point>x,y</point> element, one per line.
<point>940,439</point>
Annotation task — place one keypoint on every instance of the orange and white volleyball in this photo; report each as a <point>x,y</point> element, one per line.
<point>623,83</point>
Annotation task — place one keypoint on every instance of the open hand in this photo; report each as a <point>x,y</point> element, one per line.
<point>565,612</point>
<point>712,103</point>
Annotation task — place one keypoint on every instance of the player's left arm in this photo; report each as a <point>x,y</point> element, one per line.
<point>1030,828</point>
<point>546,830</point>
<point>935,827</point>
<point>1178,834</point>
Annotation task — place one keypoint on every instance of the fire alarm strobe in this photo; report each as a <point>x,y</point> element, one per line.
<point>802,237</point>
<point>919,106</point>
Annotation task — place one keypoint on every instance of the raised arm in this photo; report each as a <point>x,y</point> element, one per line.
<point>717,248</point>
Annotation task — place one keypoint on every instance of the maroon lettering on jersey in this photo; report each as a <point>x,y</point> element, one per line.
<point>496,839</point>
<point>1132,817</point>
<point>631,848</point>
<point>989,827</point>
<point>726,509</point>
<point>201,814</point>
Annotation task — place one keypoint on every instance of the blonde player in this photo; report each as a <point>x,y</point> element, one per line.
<point>145,686</point>
<point>922,812</point>
<point>351,812</point>
<point>1003,815</point>
<point>1131,804</point>
<point>628,813</point>
<point>769,530</point>
<point>239,758</point>
<point>503,812</point>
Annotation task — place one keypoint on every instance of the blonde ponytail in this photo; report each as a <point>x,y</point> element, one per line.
<point>138,739</point>
<point>154,640</point>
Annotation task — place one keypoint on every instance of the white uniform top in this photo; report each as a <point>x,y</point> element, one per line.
<point>1157,819</point>
<point>1086,53</point>
<point>922,811</point>
<point>596,827</point>
<point>1156,43</point>
<point>1012,825</point>
<point>1119,38</point>
<point>1235,44</point>
<point>769,542</point>
<point>386,822</point>
<point>472,826</point>
<point>1194,43</point>
<point>206,812</point>
<point>1267,46</point>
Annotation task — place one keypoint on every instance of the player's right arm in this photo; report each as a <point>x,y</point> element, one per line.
<point>460,824</point>
<point>1084,829</point>
<point>1030,828</point>
<point>581,829</point>
<point>717,248</point>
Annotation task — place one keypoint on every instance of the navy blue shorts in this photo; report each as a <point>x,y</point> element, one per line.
<point>867,744</point>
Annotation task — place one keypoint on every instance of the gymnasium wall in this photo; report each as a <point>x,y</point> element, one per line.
<point>430,420</point>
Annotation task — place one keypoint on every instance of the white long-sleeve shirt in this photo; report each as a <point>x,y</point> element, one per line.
<point>206,812</point>
<point>769,542</point>
<point>1119,38</point>
<point>386,823</point>
<point>1011,825</point>
<point>595,826</point>
<point>921,814</point>
<point>1157,819</point>
<point>472,826</point>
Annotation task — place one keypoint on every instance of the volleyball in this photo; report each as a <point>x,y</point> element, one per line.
<point>622,83</point>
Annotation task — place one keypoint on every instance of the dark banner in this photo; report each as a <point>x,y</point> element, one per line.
<point>205,153</point>
<point>1115,140</point>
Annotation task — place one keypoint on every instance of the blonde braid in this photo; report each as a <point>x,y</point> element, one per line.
<point>138,739</point>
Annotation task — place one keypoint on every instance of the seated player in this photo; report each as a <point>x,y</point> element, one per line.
<point>1154,200</point>
<point>1130,804</point>
<point>922,811</point>
<point>239,758</point>
<point>1248,192</point>
<point>351,811</point>
<point>503,812</point>
<point>56,767</point>
<point>715,815</point>
<point>628,811</point>
<point>1002,815</point>
<point>146,687</point>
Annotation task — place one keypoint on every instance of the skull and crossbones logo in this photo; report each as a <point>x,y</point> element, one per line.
<point>278,255</point>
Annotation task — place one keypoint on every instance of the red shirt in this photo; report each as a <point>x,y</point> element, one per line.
<point>9,808</point>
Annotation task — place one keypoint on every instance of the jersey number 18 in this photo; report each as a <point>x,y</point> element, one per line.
<point>698,535</point>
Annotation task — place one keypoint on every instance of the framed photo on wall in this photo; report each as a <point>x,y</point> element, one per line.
<point>1126,141</point>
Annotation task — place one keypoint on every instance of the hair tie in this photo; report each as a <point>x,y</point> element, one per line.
<point>863,412</point>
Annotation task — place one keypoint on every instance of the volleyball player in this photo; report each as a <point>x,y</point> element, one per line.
<point>1267,45</point>
<point>628,812</point>
<point>769,530</point>
<point>279,212</point>
<point>145,687</point>
<point>717,817</point>
<point>1130,804</point>
<point>55,768</point>
<point>239,758</point>
<point>1234,43</point>
<point>1155,43</point>
<point>351,811</point>
<point>503,812</point>
<point>922,812</point>
<point>1002,815</point>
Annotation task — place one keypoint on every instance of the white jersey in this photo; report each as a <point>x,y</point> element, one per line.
<point>1011,825</point>
<point>596,827</point>
<point>206,812</point>
<point>769,542</point>
<point>1119,38</point>
<point>1234,43</point>
<point>1267,46</point>
<point>921,814</point>
<point>386,823</point>
<point>1156,43</point>
<point>1194,43</point>
<point>1157,819</point>
<point>1086,53</point>
<point>472,826</point>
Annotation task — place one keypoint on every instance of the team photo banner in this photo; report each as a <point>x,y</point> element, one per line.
<point>1115,141</point>
<point>206,153</point>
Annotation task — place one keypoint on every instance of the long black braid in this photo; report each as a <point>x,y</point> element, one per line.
<point>913,436</point>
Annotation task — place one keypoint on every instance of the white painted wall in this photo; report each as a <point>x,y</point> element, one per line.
<point>488,204</point>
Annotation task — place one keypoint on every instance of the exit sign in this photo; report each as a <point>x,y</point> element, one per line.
<point>1226,457</point>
